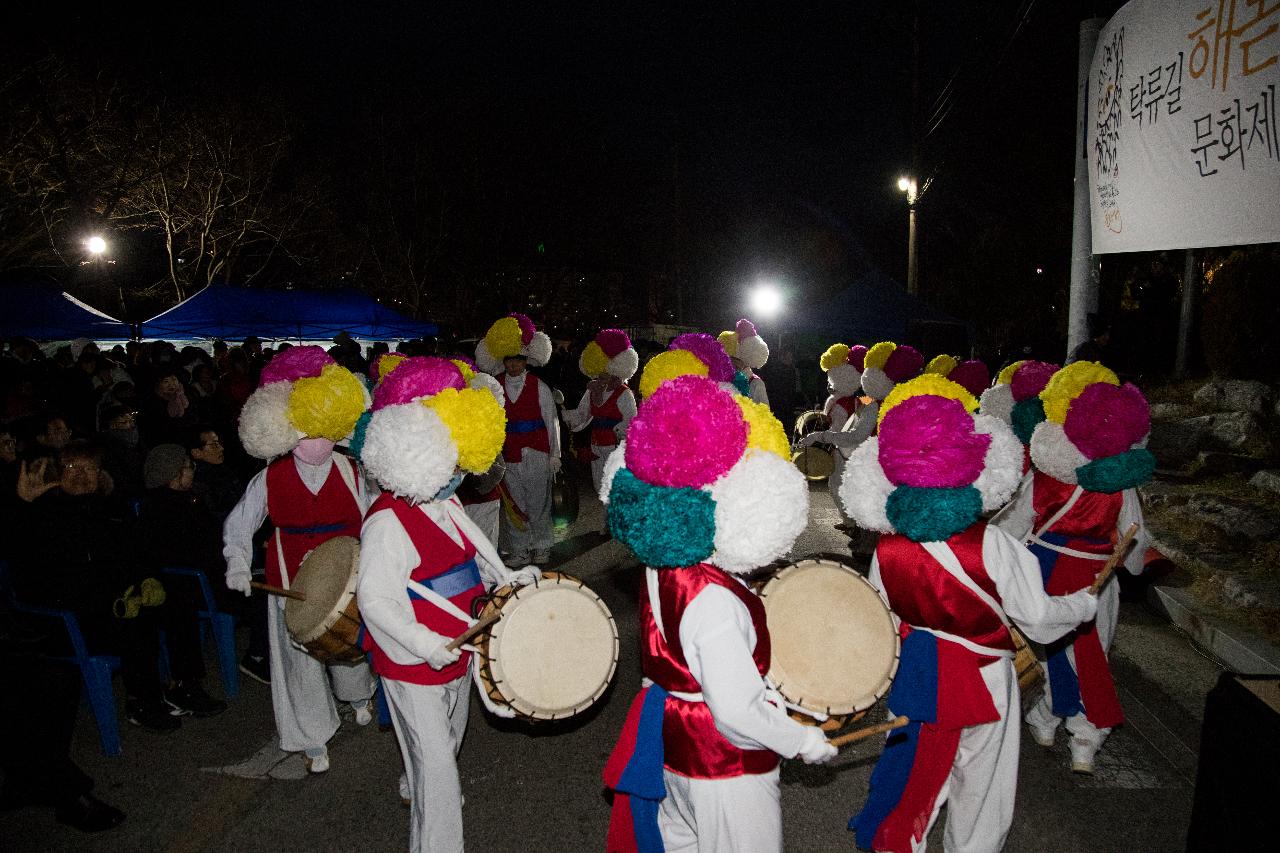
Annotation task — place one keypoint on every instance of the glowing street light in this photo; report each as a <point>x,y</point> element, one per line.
<point>96,245</point>
<point>766,300</point>
<point>907,185</point>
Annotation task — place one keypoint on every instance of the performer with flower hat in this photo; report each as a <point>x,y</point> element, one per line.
<point>690,354</point>
<point>749,353</point>
<point>954,585</point>
<point>1089,457</point>
<point>1015,399</point>
<point>532,448</point>
<point>608,405</point>
<point>305,402</point>
<point>423,561</point>
<point>972,375</point>
<point>703,492</point>
<point>843,365</point>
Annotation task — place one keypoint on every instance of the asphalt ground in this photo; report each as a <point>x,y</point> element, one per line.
<point>221,783</point>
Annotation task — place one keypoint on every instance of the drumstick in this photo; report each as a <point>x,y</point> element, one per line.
<point>1122,548</point>
<point>860,734</point>
<point>275,590</point>
<point>479,626</point>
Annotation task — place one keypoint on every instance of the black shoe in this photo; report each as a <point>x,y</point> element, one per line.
<point>191,699</point>
<point>89,814</point>
<point>155,715</point>
<point>257,668</point>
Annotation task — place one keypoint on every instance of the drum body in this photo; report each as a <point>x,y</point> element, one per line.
<point>554,651</point>
<point>1030,675</point>
<point>327,624</point>
<point>816,463</point>
<point>834,647</point>
<point>564,499</point>
<point>814,421</point>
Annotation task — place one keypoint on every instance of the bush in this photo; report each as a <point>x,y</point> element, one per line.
<point>1242,314</point>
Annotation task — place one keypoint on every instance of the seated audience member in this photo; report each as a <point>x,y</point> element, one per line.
<point>217,484</point>
<point>122,458</point>
<point>166,413</point>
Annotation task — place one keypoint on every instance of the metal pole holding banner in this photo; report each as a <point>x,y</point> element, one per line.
<point>1084,266</point>
<point>1186,320</point>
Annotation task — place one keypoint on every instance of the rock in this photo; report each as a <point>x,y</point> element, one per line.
<point>1239,432</point>
<point>1267,481</point>
<point>1235,395</point>
<point>1177,442</point>
<point>1171,411</point>
<point>1234,591</point>
<point>1234,517</point>
<point>1159,494</point>
<point>1214,462</point>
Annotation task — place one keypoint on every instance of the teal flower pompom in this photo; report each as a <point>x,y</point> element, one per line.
<point>1027,415</point>
<point>932,515</point>
<point>1117,473</point>
<point>356,445</point>
<point>666,527</point>
<point>742,382</point>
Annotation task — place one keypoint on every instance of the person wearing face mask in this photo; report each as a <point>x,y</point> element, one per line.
<point>305,402</point>
<point>423,562</point>
<point>122,458</point>
<point>166,413</point>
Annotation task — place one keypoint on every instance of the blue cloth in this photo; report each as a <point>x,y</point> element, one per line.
<point>642,780</point>
<point>1064,686</point>
<point>316,528</point>
<point>455,581</point>
<point>605,423</point>
<point>526,426</point>
<point>914,694</point>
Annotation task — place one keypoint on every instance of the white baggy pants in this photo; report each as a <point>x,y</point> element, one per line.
<point>486,515</point>
<point>597,465</point>
<point>306,716</point>
<point>430,721</point>
<point>742,814</point>
<point>529,482</point>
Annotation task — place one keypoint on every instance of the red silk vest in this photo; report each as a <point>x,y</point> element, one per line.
<point>303,520</point>
<point>525,427</point>
<point>924,594</point>
<point>1093,516</point>
<point>692,745</point>
<point>608,410</point>
<point>438,554</point>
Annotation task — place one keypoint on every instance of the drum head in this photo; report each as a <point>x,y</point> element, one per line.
<point>834,647</point>
<point>325,577</point>
<point>555,649</point>
<point>816,463</point>
<point>814,421</point>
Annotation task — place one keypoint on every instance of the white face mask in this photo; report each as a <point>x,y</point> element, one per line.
<point>314,451</point>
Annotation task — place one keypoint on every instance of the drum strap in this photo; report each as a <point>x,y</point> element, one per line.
<point>942,553</point>
<point>1070,552</point>
<point>426,593</point>
<point>1062,511</point>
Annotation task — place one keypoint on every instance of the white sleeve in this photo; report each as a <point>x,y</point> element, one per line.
<point>758,392</point>
<point>549,418</point>
<point>1016,573</point>
<point>243,522</point>
<point>578,419</point>
<point>365,496</point>
<point>627,405</point>
<point>717,638</point>
<point>873,578</point>
<point>1019,515</point>
<point>838,414</point>
<point>387,557</point>
<point>1135,562</point>
<point>492,570</point>
<point>856,429</point>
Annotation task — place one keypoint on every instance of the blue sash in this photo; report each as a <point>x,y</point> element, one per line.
<point>526,426</point>
<point>455,581</point>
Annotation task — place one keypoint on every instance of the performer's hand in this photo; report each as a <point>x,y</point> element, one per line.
<point>438,657</point>
<point>31,482</point>
<point>556,464</point>
<point>817,749</point>
<point>524,577</point>
<point>810,439</point>
<point>238,576</point>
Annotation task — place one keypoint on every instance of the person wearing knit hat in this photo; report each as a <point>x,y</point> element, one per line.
<point>165,463</point>
<point>532,448</point>
<point>423,563</point>
<point>304,404</point>
<point>749,353</point>
<point>1014,398</point>
<point>702,490</point>
<point>843,365</point>
<point>955,585</point>
<point>608,405</point>
<point>1089,456</point>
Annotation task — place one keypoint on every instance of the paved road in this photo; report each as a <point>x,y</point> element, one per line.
<point>220,784</point>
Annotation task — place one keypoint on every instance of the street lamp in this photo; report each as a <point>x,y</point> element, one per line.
<point>96,245</point>
<point>766,300</point>
<point>908,185</point>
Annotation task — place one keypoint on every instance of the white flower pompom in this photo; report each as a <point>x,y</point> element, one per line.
<point>997,401</point>
<point>877,383</point>
<point>864,489</point>
<point>409,450</point>
<point>1054,454</point>
<point>1002,466</point>
<point>753,351</point>
<point>762,505</point>
<point>490,384</point>
<point>485,359</point>
<point>625,364</point>
<point>844,380</point>
<point>538,350</point>
<point>265,430</point>
<point>617,459</point>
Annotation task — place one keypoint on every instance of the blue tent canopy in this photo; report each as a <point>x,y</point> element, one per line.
<point>48,314</point>
<point>873,308</point>
<point>223,311</point>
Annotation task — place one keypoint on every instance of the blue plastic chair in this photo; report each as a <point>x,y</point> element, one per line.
<point>221,625</point>
<point>96,670</point>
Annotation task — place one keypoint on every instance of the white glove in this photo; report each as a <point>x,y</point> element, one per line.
<point>809,440</point>
<point>556,464</point>
<point>432,650</point>
<point>817,749</point>
<point>525,576</point>
<point>238,576</point>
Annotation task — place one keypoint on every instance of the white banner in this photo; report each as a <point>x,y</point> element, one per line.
<point>1183,141</point>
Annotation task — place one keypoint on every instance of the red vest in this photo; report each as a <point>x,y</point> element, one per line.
<point>303,520</point>
<point>1093,516</point>
<point>525,427</point>
<point>605,416</point>
<point>437,554</point>
<point>692,746</point>
<point>925,595</point>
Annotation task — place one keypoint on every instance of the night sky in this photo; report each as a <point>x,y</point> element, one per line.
<point>713,142</point>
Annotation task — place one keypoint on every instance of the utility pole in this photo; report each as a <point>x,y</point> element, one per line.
<point>1084,267</point>
<point>913,257</point>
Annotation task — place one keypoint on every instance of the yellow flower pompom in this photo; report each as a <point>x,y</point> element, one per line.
<point>1067,383</point>
<point>879,354</point>
<point>468,373</point>
<point>942,365</point>
<point>1005,377</point>
<point>927,383</point>
<point>503,338</point>
<point>388,363</point>
<point>836,354</point>
<point>764,431</point>
<point>328,405</point>
<point>477,425</point>
<point>729,340</point>
<point>668,365</point>
<point>594,362</point>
